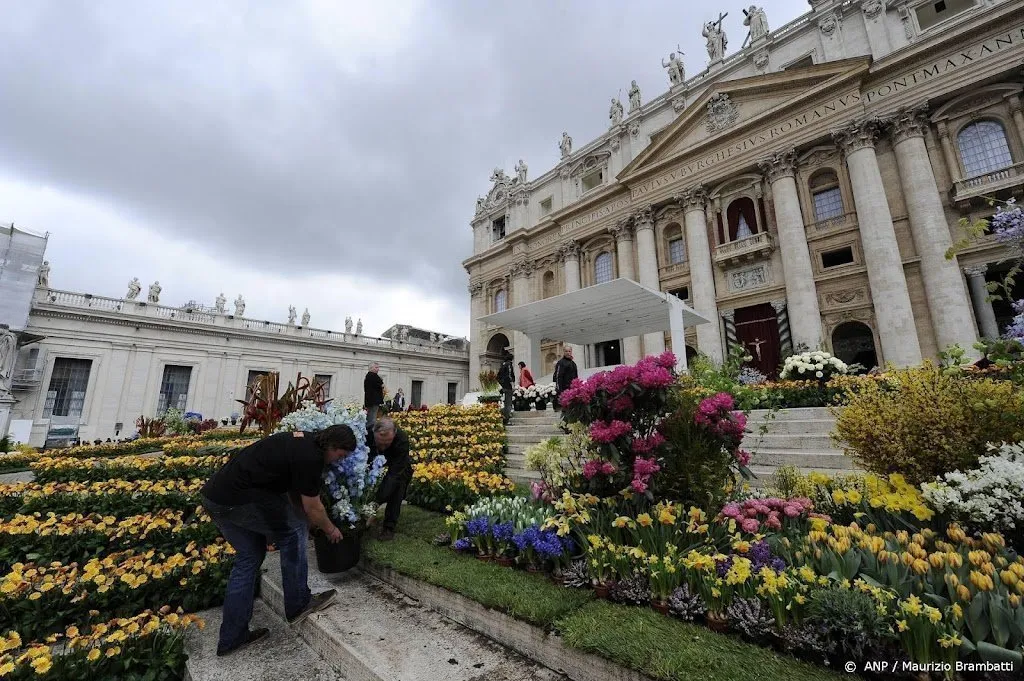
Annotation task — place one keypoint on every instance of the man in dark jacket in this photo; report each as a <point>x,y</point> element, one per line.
<point>251,501</point>
<point>392,443</point>
<point>565,372</point>
<point>506,379</point>
<point>373,395</point>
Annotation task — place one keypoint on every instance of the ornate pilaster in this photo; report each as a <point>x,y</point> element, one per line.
<point>622,230</point>
<point>1017,112</point>
<point>569,250</point>
<point>779,165</point>
<point>693,198</point>
<point>729,321</point>
<point>475,289</point>
<point>859,135</point>
<point>872,8</point>
<point>782,319</point>
<point>908,123</point>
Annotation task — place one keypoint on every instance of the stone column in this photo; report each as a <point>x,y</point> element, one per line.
<point>1018,114</point>
<point>801,294</point>
<point>886,278</point>
<point>702,274</point>
<point>569,254</point>
<point>987,324</point>
<point>952,165</point>
<point>647,261</point>
<point>476,300</point>
<point>782,319</point>
<point>623,233</point>
<point>948,303</point>
<point>520,273</point>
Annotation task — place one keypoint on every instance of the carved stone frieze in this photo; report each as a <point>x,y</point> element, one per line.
<point>872,8</point>
<point>750,278</point>
<point>569,250</point>
<point>475,288</point>
<point>521,268</point>
<point>844,297</point>
<point>679,103</point>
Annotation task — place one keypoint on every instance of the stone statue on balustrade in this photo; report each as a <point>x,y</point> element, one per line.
<point>359,327</point>
<point>717,40</point>
<point>634,97</point>
<point>565,146</point>
<point>154,292</point>
<point>348,324</point>
<point>305,317</point>
<point>43,280</point>
<point>757,20</point>
<point>220,302</point>
<point>291,315</point>
<point>616,112</point>
<point>239,305</point>
<point>8,354</point>
<point>134,289</point>
<point>404,334</point>
<point>521,172</point>
<point>433,338</point>
<point>676,70</point>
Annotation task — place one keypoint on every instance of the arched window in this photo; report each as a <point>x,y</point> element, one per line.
<point>742,217</point>
<point>826,195</point>
<point>603,268</point>
<point>548,284</point>
<point>676,245</point>
<point>500,301</point>
<point>983,148</point>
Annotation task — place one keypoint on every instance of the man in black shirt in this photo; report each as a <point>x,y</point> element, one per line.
<point>254,499</point>
<point>391,441</point>
<point>565,373</point>
<point>373,395</point>
<point>506,379</point>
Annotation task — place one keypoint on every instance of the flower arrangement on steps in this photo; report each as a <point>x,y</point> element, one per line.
<point>350,484</point>
<point>535,397</point>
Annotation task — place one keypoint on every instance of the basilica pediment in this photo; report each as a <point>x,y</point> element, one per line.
<point>731,106</point>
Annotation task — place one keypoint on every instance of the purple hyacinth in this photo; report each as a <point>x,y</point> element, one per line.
<point>503,531</point>
<point>463,544</point>
<point>478,526</point>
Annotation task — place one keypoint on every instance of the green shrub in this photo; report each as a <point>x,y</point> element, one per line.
<point>852,623</point>
<point>923,422</point>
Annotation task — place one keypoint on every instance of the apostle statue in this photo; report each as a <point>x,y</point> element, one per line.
<point>634,97</point>
<point>8,355</point>
<point>565,146</point>
<point>239,306</point>
<point>291,315</point>
<point>479,205</point>
<point>717,41</point>
<point>757,20</point>
<point>305,317</point>
<point>616,112</point>
<point>676,70</point>
<point>521,171</point>
<point>220,303</point>
<point>348,324</point>
<point>44,275</point>
<point>154,292</point>
<point>359,327</point>
<point>134,289</point>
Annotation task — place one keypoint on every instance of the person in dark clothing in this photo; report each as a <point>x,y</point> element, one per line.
<point>506,379</point>
<point>392,442</point>
<point>373,395</point>
<point>565,372</point>
<point>265,494</point>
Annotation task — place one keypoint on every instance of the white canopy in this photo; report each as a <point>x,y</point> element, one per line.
<point>616,309</point>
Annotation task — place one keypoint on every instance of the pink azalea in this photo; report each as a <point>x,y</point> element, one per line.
<point>646,467</point>
<point>608,468</point>
<point>648,444</point>
<point>609,432</point>
<point>639,486</point>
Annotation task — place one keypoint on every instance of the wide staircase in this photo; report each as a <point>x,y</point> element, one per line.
<point>793,437</point>
<point>528,428</point>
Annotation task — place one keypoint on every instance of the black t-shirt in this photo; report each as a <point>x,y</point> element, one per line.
<point>279,464</point>
<point>373,390</point>
<point>397,455</point>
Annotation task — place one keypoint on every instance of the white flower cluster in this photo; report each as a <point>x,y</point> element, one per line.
<point>815,364</point>
<point>535,393</point>
<point>988,496</point>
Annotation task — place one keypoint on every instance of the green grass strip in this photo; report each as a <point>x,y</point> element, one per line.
<point>665,648</point>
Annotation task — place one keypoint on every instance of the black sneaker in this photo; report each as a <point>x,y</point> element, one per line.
<point>387,535</point>
<point>254,635</point>
<point>317,602</point>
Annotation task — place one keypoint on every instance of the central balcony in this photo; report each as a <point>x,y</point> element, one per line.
<point>754,247</point>
<point>981,186</point>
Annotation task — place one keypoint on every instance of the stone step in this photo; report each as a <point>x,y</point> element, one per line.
<point>825,460</point>
<point>281,655</point>
<point>793,426</point>
<point>547,414</point>
<point>376,633</point>
<point>756,442</point>
<point>532,438</point>
<point>799,413</point>
<point>521,476</point>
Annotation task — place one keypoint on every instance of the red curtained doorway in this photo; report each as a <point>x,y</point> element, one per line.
<point>757,329</point>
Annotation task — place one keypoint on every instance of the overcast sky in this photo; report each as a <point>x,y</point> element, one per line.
<point>320,153</point>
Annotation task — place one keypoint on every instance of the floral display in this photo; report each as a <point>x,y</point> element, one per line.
<point>816,364</point>
<point>17,460</point>
<point>197,446</point>
<point>537,396</point>
<point>103,449</point>
<point>51,469</point>
<point>116,497</point>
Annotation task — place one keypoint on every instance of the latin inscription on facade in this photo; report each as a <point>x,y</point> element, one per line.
<point>603,211</point>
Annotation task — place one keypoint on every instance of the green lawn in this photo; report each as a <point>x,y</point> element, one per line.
<point>639,638</point>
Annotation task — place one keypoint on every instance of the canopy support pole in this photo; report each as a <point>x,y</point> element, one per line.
<point>678,332</point>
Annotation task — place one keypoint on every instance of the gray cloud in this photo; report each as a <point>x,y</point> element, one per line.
<point>248,130</point>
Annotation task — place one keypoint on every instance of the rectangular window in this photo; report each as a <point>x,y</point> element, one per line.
<point>593,180</point>
<point>682,293</point>
<point>417,393</point>
<point>325,381</point>
<point>545,206</point>
<point>174,388</point>
<point>498,229</point>
<point>828,203</point>
<point>676,251</point>
<point>841,256</point>
<point>68,383</point>
<point>453,390</point>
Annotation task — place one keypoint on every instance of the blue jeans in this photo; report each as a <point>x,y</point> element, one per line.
<point>249,528</point>
<point>371,418</point>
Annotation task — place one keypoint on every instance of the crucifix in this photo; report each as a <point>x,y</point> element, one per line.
<point>756,344</point>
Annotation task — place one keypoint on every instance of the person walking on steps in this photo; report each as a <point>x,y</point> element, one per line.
<point>506,379</point>
<point>525,376</point>
<point>266,494</point>
<point>565,373</point>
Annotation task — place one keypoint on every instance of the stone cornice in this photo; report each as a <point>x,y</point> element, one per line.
<point>779,165</point>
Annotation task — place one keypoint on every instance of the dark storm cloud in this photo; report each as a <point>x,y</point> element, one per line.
<point>242,129</point>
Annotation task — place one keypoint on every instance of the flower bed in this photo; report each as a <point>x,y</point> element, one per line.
<point>17,461</point>
<point>139,446</point>
<point>115,497</point>
<point>50,469</point>
<point>198,446</point>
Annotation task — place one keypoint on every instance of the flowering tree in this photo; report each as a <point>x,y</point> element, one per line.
<point>622,409</point>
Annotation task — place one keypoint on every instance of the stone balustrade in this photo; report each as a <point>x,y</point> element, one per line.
<point>754,246</point>
<point>979,185</point>
<point>70,301</point>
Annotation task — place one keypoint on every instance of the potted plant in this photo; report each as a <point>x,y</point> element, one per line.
<point>349,485</point>
<point>545,393</point>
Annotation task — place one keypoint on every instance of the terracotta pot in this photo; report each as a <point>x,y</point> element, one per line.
<point>717,621</point>
<point>504,561</point>
<point>601,590</point>
<point>659,606</point>
<point>532,568</point>
<point>484,557</point>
